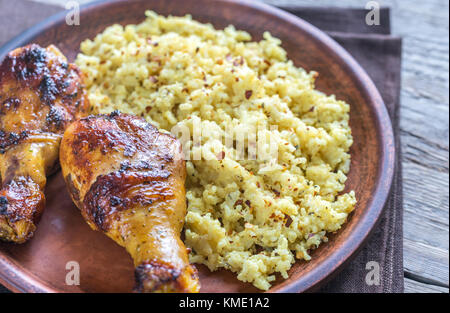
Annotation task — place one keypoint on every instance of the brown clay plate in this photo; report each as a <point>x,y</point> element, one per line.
<point>63,236</point>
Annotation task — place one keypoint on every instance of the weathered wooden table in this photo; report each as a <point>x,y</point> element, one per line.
<point>424,25</point>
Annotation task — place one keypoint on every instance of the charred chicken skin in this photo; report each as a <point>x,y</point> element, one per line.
<point>40,94</point>
<point>127,179</point>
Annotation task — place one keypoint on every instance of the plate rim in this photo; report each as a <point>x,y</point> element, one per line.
<point>18,279</point>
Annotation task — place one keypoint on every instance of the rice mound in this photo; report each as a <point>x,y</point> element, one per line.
<point>254,217</point>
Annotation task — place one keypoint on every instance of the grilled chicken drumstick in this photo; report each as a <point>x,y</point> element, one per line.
<point>128,181</point>
<point>40,93</point>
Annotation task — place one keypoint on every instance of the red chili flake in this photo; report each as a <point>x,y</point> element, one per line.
<point>248,94</point>
<point>258,184</point>
<point>276,192</point>
<point>312,109</point>
<point>247,202</point>
<point>221,155</point>
<point>238,202</point>
<point>288,221</point>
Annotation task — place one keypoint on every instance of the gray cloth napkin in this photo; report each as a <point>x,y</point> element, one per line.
<point>380,54</point>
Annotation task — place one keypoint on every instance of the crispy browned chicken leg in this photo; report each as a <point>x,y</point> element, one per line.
<point>128,181</point>
<point>40,93</point>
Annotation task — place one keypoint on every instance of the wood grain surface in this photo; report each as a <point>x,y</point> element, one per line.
<point>424,25</point>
